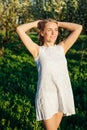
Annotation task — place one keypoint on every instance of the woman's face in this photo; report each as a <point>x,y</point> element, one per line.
<point>50,32</point>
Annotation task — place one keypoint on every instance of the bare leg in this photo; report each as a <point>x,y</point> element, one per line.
<point>59,118</point>
<point>54,122</point>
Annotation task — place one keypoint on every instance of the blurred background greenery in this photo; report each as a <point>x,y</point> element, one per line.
<point>18,73</point>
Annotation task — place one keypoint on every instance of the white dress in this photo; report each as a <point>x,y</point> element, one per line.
<point>54,92</point>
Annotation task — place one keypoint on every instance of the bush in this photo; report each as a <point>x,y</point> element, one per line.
<point>18,77</point>
<point>18,80</point>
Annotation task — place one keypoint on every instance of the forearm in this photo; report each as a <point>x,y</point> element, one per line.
<point>28,26</point>
<point>69,26</point>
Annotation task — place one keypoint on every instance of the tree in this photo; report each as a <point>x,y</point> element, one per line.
<point>12,13</point>
<point>46,8</point>
<point>81,15</point>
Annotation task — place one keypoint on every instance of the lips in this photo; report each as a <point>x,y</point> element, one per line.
<point>53,37</point>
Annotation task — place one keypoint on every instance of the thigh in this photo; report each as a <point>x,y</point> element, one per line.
<point>59,117</point>
<point>53,123</point>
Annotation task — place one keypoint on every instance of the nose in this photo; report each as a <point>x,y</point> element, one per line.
<point>53,32</point>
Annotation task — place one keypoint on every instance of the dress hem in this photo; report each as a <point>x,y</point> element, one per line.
<point>46,118</point>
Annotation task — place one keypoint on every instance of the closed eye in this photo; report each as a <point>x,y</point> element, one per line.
<point>56,29</point>
<point>49,29</point>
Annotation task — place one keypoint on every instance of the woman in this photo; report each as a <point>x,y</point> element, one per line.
<point>54,97</point>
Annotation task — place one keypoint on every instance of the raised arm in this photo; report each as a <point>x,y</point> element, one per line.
<point>75,32</point>
<point>30,45</point>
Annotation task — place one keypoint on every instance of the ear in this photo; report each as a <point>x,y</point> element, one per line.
<point>42,33</point>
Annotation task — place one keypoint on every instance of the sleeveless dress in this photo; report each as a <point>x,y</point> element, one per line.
<point>54,92</point>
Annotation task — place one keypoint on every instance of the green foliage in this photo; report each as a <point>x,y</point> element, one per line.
<point>18,73</point>
<point>13,13</point>
<point>18,77</point>
<point>18,81</point>
<point>77,63</point>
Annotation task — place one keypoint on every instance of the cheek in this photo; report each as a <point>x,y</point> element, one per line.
<point>57,33</point>
<point>47,34</point>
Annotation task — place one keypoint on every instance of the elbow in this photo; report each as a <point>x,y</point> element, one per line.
<point>18,29</point>
<point>80,27</point>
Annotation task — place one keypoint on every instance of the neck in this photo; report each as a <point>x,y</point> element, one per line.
<point>48,44</point>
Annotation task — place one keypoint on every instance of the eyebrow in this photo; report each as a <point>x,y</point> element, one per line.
<point>51,28</point>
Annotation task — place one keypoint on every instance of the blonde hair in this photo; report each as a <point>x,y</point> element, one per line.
<point>41,26</point>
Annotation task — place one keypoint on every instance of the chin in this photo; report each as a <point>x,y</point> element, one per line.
<point>53,41</point>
